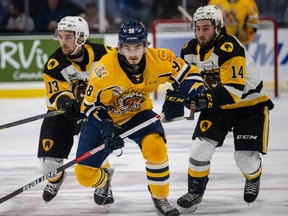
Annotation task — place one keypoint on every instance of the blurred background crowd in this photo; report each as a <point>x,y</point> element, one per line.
<point>105,16</point>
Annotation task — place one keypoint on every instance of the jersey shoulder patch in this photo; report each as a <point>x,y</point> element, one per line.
<point>100,71</point>
<point>52,63</point>
<point>56,62</point>
<point>228,46</point>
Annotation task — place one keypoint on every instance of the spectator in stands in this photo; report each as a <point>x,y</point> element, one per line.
<point>92,18</point>
<point>241,18</point>
<point>146,12</point>
<point>18,20</point>
<point>137,10</point>
<point>3,16</point>
<point>167,11</point>
<point>113,14</point>
<point>49,15</point>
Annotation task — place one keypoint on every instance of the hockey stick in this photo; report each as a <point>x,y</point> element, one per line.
<point>54,172</point>
<point>190,117</point>
<point>185,13</point>
<point>34,118</point>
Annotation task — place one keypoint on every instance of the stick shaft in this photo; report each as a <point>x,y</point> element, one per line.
<point>30,119</point>
<point>185,13</point>
<point>77,160</point>
<point>192,115</point>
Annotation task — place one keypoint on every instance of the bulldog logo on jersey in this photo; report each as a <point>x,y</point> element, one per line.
<point>227,47</point>
<point>100,71</point>
<point>47,144</point>
<point>205,125</point>
<point>52,63</point>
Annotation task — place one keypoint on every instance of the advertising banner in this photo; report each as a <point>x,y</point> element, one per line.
<point>261,49</point>
<point>22,58</point>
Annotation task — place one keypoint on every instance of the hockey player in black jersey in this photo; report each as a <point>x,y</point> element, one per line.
<point>66,74</point>
<point>233,100</point>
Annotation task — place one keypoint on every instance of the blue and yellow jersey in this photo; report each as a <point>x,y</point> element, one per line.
<point>124,95</point>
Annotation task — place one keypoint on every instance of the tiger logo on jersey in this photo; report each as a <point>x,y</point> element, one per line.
<point>227,47</point>
<point>100,71</point>
<point>52,63</point>
<point>130,100</point>
<point>205,125</point>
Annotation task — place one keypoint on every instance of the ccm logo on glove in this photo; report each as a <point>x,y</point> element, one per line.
<point>175,99</point>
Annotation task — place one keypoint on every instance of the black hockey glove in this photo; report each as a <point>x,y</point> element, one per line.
<point>202,101</point>
<point>72,109</point>
<point>110,136</point>
<point>173,106</point>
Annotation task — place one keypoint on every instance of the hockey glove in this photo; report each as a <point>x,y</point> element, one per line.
<point>173,106</point>
<point>202,101</point>
<point>72,109</point>
<point>110,136</point>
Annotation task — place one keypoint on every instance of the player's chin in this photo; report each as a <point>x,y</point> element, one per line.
<point>203,43</point>
<point>134,62</point>
<point>66,51</point>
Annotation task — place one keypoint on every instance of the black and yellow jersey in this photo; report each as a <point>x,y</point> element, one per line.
<point>236,68</point>
<point>124,95</point>
<point>60,72</point>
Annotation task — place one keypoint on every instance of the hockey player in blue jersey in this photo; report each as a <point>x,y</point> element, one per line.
<point>119,93</point>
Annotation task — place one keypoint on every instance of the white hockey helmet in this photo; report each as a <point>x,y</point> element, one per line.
<point>210,12</point>
<point>76,24</point>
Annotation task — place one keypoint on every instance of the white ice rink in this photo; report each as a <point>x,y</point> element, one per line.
<point>224,194</point>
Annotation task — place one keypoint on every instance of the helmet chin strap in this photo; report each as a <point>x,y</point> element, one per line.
<point>77,48</point>
<point>217,33</point>
<point>73,55</point>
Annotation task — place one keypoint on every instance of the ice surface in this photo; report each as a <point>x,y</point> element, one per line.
<point>224,194</point>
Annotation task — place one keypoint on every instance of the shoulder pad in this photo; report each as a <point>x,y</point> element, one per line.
<point>56,61</point>
<point>190,47</point>
<point>228,45</point>
<point>100,50</point>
